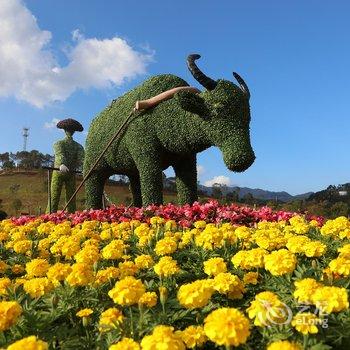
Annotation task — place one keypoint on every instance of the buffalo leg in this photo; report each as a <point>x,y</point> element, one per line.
<point>94,186</point>
<point>135,188</point>
<point>186,179</point>
<point>151,180</point>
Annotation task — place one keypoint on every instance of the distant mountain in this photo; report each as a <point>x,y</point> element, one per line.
<point>258,193</point>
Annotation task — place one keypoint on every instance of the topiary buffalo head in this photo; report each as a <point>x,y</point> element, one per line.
<point>224,108</point>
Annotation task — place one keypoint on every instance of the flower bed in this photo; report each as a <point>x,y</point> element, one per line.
<point>184,215</point>
<point>201,276</point>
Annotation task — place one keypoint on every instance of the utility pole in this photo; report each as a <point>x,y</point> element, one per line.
<point>25,135</point>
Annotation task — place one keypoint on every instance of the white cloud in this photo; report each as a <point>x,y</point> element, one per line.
<point>52,124</point>
<point>30,72</point>
<point>221,179</point>
<point>200,169</point>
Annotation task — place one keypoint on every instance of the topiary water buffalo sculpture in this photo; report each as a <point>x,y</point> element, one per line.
<point>169,134</point>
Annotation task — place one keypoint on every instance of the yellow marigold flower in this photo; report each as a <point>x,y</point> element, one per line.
<point>165,246</point>
<point>127,291</point>
<point>156,220</point>
<point>92,242</point>
<point>300,225</point>
<point>249,259</point>
<point>226,283</point>
<point>340,265</point>
<point>44,244</point>
<point>110,319</point>
<point>127,268</point>
<point>3,266</point>
<point>105,275</point>
<point>88,255</point>
<point>280,262</point>
<point>3,236</point>
<point>5,283</point>
<point>195,294</point>
<point>193,336</point>
<point>214,266</point>
<point>148,299</point>
<point>84,312</point>
<point>170,225</point>
<point>144,262</point>
<point>29,343</point>
<point>58,272</point>
<point>331,299</point>
<point>144,241</point>
<point>44,254</point>
<point>45,228</point>
<point>106,234</point>
<point>305,289</point>
<point>266,309</point>
<point>284,345</point>
<point>243,232</point>
<point>314,249</point>
<point>162,337</point>
<point>37,268</point>
<point>19,282</point>
<point>17,269</point>
<point>344,251</point>
<point>114,250</point>
<point>250,278</point>
<point>21,247</point>
<point>142,230</point>
<point>166,266</point>
<point>70,248</point>
<point>227,326</point>
<point>81,275</point>
<point>56,248</point>
<point>125,344</point>
<point>270,238</point>
<point>37,287</point>
<point>296,244</point>
<point>211,237</point>
<point>18,235</point>
<point>306,322</point>
<point>337,227</point>
<point>200,224</point>
<point>9,313</point>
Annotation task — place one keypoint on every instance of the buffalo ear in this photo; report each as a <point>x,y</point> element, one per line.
<point>191,102</point>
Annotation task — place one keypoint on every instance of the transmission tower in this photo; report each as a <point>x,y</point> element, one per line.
<point>25,135</point>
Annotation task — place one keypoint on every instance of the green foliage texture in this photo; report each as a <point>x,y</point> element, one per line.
<point>170,134</point>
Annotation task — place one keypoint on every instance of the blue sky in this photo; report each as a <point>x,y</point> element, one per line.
<point>294,56</point>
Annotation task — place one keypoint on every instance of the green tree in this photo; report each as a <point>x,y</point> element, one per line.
<point>217,191</point>
<point>248,198</point>
<point>232,197</point>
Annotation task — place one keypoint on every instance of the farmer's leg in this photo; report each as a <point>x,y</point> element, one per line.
<point>56,188</point>
<point>70,188</point>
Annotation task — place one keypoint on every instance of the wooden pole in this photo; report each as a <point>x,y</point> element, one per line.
<point>49,189</point>
<point>119,131</point>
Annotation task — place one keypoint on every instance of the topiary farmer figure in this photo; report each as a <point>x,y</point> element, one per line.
<point>69,156</point>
